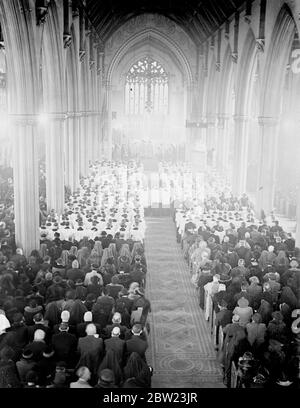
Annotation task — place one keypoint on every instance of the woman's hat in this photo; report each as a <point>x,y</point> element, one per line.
<point>243,302</point>
<point>27,354</point>
<point>107,375</point>
<point>254,279</point>
<point>4,323</point>
<point>48,352</point>
<point>57,279</point>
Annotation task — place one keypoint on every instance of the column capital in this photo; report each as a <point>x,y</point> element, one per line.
<point>107,85</point>
<point>221,119</point>
<point>24,118</point>
<point>268,120</point>
<point>210,120</point>
<point>60,116</point>
<point>240,118</point>
<point>260,44</point>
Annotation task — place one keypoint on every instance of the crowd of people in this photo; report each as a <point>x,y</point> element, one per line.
<point>74,314</point>
<point>247,275</point>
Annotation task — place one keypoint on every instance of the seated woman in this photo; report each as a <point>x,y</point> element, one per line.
<point>137,373</point>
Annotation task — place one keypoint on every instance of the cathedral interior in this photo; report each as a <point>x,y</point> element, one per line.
<point>168,131</point>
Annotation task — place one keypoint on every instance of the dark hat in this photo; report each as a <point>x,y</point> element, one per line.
<point>48,352</point>
<point>17,317</point>
<point>60,378</point>
<point>107,375</point>
<point>137,328</point>
<point>27,354</point>
<point>57,279</point>
<point>63,327</point>
<point>31,377</point>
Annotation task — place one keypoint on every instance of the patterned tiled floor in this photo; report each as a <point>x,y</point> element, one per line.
<point>181,350</point>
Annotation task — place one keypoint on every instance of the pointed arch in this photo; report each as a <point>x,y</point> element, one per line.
<point>226,81</point>
<point>157,35</point>
<point>245,72</point>
<point>211,89</point>
<point>277,60</point>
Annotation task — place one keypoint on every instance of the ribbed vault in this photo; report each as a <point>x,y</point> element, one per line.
<point>199,18</point>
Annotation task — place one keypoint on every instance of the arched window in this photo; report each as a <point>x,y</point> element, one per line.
<point>146,88</point>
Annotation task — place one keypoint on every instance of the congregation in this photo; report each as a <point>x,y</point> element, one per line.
<point>246,272</point>
<point>74,314</point>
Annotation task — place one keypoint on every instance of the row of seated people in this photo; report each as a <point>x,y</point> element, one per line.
<point>108,200</point>
<point>6,206</point>
<point>248,283</point>
<point>74,312</point>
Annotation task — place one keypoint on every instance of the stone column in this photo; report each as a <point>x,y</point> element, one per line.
<point>55,180</point>
<point>26,188</point>
<point>89,137</point>
<point>72,150</point>
<point>94,153</point>
<point>240,155</point>
<point>222,143</point>
<point>267,163</point>
<point>297,237</point>
<point>83,151</point>
<point>108,131</point>
<point>211,137</point>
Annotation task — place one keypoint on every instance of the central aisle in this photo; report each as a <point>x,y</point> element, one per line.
<point>181,350</point>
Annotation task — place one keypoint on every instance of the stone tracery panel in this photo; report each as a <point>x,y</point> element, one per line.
<point>156,22</point>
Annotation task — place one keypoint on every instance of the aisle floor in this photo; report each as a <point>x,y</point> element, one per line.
<point>181,349</point>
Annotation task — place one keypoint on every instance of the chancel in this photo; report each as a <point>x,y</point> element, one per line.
<point>149,195</point>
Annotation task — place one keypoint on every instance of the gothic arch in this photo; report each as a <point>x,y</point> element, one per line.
<point>158,50</point>
<point>71,76</point>
<point>51,60</point>
<point>19,38</point>
<point>211,90</point>
<point>277,59</point>
<point>161,37</point>
<point>226,81</point>
<point>244,73</point>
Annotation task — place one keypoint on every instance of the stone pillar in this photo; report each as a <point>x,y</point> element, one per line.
<point>83,151</point>
<point>240,155</point>
<point>55,180</point>
<point>26,188</point>
<point>72,149</point>
<point>211,139</point>
<point>189,144</point>
<point>297,237</point>
<point>98,135</point>
<point>94,152</point>
<point>222,143</point>
<point>89,137</point>
<point>108,129</point>
<point>267,163</point>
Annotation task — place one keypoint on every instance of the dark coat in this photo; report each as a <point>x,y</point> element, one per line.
<point>65,345</point>
<point>23,366</point>
<point>9,377</point>
<point>74,274</point>
<point>40,326</point>
<point>118,345</point>
<point>37,347</point>
<point>91,345</point>
<point>91,351</point>
<point>80,329</point>
<point>138,345</point>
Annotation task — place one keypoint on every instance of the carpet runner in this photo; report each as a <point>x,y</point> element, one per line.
<point>181,350</point>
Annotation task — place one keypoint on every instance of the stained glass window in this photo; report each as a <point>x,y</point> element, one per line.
<point>146,89</point>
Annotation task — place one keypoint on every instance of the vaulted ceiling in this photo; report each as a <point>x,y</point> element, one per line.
<point>199,18</point>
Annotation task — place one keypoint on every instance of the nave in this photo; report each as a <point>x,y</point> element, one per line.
<point>181,349</point>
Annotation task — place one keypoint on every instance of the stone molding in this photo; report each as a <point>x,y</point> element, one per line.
<point>240,118</point>
<point>268,121</point>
